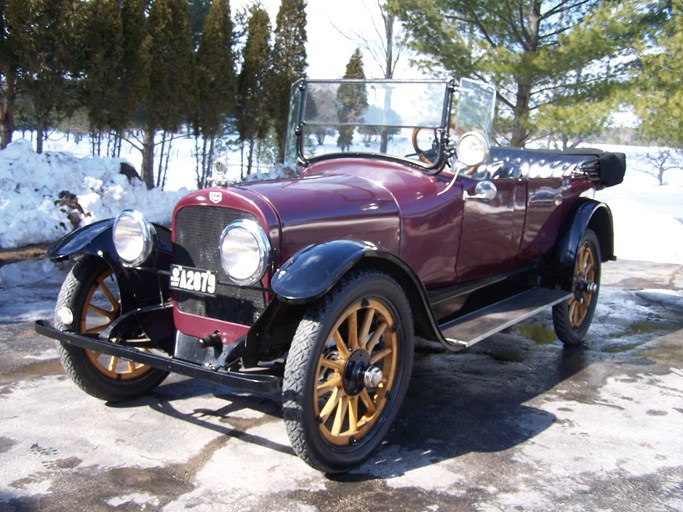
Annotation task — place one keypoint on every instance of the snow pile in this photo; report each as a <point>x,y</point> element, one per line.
<point>37,193</point>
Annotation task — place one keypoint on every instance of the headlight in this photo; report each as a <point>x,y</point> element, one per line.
<point>473,148</point>
<point>245,252</point>
<point>132,237</point>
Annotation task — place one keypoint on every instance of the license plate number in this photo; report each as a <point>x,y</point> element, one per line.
<point>193,280</point>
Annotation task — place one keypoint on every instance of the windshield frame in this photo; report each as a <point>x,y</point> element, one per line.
<point>298,123</point>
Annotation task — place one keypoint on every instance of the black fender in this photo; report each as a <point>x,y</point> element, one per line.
<point>315,270</point>
<point>588,214</point>
<point>139,287</point>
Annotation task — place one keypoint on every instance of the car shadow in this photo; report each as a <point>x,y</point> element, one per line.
<point>163,398</point>
<point>474,401</point>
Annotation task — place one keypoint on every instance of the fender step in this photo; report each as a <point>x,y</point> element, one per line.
<point>467,330</point>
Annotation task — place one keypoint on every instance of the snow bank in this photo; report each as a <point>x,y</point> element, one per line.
<point>32,211</point>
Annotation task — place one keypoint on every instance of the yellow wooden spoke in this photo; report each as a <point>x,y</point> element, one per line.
<point>102,312</point>
<point>112,363</point>
<point>332,364</point>
<point>96,330</point>
<point>341,346</point>
<point>332,382</point>
<point>375,358</point>
<point>340,415</point>
<point>330,404</point>
<point>365,329</point>
<point>110,296</point>
<point>353,330</point>
<point>376,336</point>
<point>367,401</point>
<point>353,414</point>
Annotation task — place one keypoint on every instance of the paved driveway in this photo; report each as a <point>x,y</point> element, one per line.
<point>515,423</point>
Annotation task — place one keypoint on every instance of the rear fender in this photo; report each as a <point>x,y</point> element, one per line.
<point>590,214</point>
<point>140,286</point>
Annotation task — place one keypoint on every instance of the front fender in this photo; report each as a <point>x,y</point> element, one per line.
<point>139,287</point>
<point>315,269</point>
<point>589,214</point>
<point>94,239</point>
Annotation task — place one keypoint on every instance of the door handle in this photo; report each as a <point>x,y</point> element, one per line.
<point>485,190</point>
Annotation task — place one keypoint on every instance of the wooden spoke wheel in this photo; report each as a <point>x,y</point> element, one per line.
<point>571,319</point>
<point>100,309</point>
<point>356,371</point>
<point>88,303</point>
<point>348,371</point>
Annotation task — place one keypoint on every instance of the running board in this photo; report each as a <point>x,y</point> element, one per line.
<point>467,330</point>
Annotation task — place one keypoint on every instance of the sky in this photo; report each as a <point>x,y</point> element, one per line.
<point>328,50</point>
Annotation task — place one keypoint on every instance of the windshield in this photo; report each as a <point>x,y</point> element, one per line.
<point>381,117</point>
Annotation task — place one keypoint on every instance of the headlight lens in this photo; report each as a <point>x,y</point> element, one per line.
<point>132,237</point>
<point>245,252</point>
<point>473,148</point>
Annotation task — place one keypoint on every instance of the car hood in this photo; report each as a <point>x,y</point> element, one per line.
<point>331,205</point>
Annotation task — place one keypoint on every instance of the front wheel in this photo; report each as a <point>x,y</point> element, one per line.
<point>572,318</point>
<point>348,371</point>
<point>87,304</point>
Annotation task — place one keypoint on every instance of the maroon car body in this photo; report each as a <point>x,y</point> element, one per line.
<point>316,284</point>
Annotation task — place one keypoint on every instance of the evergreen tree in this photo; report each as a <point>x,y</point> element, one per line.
<point>540,54</point>
<point>352,101</point>
<point>8,76</point>
<point>198,11</point>
<point>103,63</point>
<point>46,41</point>
<point>289,63</point>
<point>170,94</point>
<point>252,117</point>
<point>216,85</point>
<point>658,94</point>
<point>132,85</point>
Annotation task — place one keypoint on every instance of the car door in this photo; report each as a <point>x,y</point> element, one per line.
<point>492,226</point>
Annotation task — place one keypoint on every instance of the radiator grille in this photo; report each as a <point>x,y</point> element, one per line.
<point>197,231</point>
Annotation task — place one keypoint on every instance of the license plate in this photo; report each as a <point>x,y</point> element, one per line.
<point>193,280</point>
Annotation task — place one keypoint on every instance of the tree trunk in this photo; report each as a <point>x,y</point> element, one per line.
<point>40,132</point>
<point>521,111</point>
<point>147,169</point>
<point>7,112</point>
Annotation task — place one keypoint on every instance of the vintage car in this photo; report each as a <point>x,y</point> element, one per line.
<point>399,222</point>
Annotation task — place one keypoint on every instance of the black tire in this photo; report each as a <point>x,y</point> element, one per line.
<point>351,414</point>
<point>88,302</point>
<point>572,318</point>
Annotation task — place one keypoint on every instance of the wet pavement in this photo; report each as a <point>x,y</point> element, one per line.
<point>515,423</point>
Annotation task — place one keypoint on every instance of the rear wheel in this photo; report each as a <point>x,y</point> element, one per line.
<point>87,304</point>
<point>348,371</point>
<point>572,318</point>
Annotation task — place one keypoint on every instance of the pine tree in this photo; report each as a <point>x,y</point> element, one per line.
<point>352,101</point>
<point>133,82</point>
<point>216,83</point>
<point>539,54</point>
<point>103,63</point>
<point>46,36</point>
<point>252,83</point>
<point>8,76</point>
<point>170,75</point>
<point>198,11</point>
<point>658,94</point>
<point>289,63</point>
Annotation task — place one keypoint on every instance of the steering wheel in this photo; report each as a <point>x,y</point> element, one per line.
<point>429,156</point>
